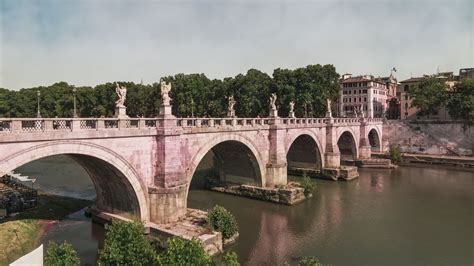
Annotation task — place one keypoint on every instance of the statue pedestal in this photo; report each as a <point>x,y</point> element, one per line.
<point>231,113</point>
<point>165,111</point>
<point>328,114</point>
<point>291,115</point>
<point>273,113</point>
<point>120,112</point>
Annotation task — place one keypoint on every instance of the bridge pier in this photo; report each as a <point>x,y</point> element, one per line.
<point>332,155</point>
<point>364,144</point>
<point>167,204</point>
<point>276,173</point>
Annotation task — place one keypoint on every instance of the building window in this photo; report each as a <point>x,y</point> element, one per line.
<point>365,91</point>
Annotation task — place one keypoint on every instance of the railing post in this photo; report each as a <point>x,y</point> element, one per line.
<point>48,125</point>
<point>141,123</point>
<point>211,122</point>
<point>16,126</point>
<point>198,122</point>
<point>100,124</point>
<point>75,124</point>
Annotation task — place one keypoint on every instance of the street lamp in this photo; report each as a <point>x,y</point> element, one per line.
<point>38,94</point>
<point>192,108</point>
<point>74,114</point>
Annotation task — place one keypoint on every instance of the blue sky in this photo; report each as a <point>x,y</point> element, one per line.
<point>87,42</point>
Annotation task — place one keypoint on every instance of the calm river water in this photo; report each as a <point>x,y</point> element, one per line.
<point>406,216</point>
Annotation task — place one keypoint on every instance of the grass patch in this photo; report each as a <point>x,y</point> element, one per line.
<point>20,234</point>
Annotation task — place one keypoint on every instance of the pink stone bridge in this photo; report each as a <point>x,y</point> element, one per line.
<point>142,168</point>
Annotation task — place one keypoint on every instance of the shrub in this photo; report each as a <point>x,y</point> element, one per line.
<point>395,154</point>
<point>222,220</point>
<point>61,255</point>
<point>308,185</point>
<point>126,244</point>
<point>230,259</point>
<point>309,261</point>
<point>184,252</point>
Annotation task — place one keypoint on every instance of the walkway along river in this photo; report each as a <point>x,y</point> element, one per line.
<point>405,216</point>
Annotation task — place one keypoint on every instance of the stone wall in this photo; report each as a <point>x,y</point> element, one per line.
<point>431,137</point>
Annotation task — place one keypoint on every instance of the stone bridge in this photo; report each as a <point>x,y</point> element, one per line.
<point>142,167</point>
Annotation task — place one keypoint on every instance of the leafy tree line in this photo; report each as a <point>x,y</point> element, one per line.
<point>192,95</point>
<point>432,93</point>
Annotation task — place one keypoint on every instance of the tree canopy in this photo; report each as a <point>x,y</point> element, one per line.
<point>192,95</point>
<point>460,102</point>
<point>429,95</point>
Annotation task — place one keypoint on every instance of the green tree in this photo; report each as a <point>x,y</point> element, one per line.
<point>125,244</point>
<point>182,252</point>
<point>309,261</point>
<point>461,100</point>
<point>428,95</point>
<point>308,185</point>
<point>222,220</point>
<point>60,255</point>
<point>395,154</point>
<point>230,259</point>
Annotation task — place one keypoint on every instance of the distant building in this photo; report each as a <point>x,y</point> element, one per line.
<point>365,94</point>
<point>410,112</point>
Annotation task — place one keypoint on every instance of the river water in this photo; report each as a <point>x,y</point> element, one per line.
<point>405,216</point>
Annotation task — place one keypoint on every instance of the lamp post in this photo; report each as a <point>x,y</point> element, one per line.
<point>74,114</point>
<point>192,108</point>
<point>38,94</point>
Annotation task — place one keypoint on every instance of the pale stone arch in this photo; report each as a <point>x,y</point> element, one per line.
<point>353,135</point>
<point>84,149</point>
<point>313,136</point>
<point>223,137</point>
<point>378,136</point>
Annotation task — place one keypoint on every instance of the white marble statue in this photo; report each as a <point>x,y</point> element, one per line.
<point>292,106</point>
<point>165,89</point>
<point>355,112</point>
<point>122,94</point>
<point>273,99</point>
<point>230,108</point>
<point>362,113</point>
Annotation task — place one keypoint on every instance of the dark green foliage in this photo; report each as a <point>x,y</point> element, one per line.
<point>192,95</point>
<point>308,185</point>
<point>182,252</point>
<point>429,95</point>
<point>222,220</point>
<point>60,255</point>
<point>125,244</point>
<point>461,101</point>
<point>395,154</point>
<point>309,261</point>
<point>230,259</point>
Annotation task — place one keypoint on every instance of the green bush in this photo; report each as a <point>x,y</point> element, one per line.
<point>395,154</point>
<point>126,244</point>
<point>222,220</point>
<point>61,255</point>
<point>184,252</point>
<point>309,261</point>
<point>230,259</point>
<point>308,185</point>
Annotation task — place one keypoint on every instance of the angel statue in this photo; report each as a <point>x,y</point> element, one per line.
<point>230,108</point>
<point>292,106</point>
<point>122,94</point>
<point>273,99</point>
<point>362,114</point>
<point>328,105</point>
<point>165,89</point>
<point>355,111</point>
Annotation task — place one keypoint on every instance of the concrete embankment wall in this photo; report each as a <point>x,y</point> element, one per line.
<point>431,137</point>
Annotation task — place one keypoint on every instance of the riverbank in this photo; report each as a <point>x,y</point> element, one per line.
<point>413,159</point>
<point>22,233</point>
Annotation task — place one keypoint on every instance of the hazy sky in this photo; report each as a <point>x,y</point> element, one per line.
<point>87,42</point>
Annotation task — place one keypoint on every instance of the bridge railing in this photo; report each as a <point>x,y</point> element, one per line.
<point>32,125</point>
<point>221,122</point>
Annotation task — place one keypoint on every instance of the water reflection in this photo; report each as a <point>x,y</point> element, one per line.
<point>405,216</point>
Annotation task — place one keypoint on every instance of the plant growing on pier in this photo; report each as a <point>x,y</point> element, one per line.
<point>309,261</point>
<point>308,185</point>
<point>222,220</point>
<point>184,252</point>
<point>63,254</point>
<point>126,244</point>
<point>230,259</point>
<point>395,154</point>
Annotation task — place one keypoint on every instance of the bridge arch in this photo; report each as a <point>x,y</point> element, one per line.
<point>124,196</point>
<point>304,148</point>
<point>375,139</point>
<point>233,140</point>
<point>348,144</point>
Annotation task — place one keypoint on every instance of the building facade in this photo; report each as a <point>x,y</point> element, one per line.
<point>363,96</point>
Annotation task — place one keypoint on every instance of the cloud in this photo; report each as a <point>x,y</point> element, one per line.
<point>89,42</point>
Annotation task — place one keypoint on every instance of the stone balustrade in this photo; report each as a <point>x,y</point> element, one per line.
<point>32,125</point>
